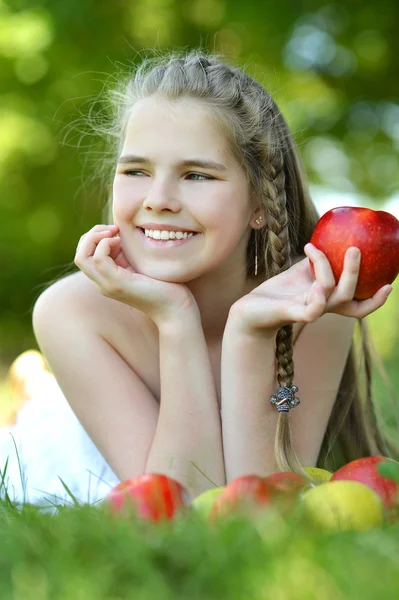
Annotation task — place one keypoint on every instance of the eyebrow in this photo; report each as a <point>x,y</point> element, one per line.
<point>191,162</point>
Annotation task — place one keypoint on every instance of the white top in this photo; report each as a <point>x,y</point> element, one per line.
<point>51,443</point>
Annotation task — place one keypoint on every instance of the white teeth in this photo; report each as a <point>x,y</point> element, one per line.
<point>157,234</point>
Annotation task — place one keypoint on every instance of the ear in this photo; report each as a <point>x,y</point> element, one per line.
<point>258,219</point>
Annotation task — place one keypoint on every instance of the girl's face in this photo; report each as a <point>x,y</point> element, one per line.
<point>162,178</point>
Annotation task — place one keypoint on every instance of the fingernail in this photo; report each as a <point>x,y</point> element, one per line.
<point>355,253</point>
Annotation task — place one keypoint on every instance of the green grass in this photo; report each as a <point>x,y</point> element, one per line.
<point>81,552</point>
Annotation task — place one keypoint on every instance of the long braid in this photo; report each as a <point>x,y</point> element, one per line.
<point>280,259</point>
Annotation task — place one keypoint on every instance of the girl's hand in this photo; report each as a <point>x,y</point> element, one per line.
<point>100,256</point>
<point>294,296</point>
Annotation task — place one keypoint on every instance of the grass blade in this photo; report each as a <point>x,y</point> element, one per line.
<point>75,500</point>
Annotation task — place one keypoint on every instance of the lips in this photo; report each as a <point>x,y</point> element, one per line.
<point>168,240</point>
<point>166,227</point>
<point>154,243</point>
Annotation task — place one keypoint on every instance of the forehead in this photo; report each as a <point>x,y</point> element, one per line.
<point>183,126</point>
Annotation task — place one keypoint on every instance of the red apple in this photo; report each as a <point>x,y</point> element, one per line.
<point>365,471</point>
<point>287,482</point>
<point>245,494</point>
<point>153,496</point>
<point>288,486</point>
<point>374,232</point>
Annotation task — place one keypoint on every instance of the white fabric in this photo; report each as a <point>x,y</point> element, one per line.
<point>51,443</point>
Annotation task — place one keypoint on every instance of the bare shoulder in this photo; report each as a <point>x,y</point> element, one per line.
<point>82,294</point>
<point>130,332</point>
<point>122,326</point>
<point>112,400</point>
<point>78,289</point>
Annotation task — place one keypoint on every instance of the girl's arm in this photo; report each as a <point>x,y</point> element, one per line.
<point>249,379</point>
<point>249,421</point>
<point>189,427</point>
<point>249,366</point>
<point>118,411</point>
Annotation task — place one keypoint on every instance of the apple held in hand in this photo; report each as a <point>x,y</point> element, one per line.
<point>152,496</point>
<point>247,494</point>
<point>375,233</point>
<point>365,470</point>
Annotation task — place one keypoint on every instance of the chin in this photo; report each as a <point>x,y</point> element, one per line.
<point>165,275</point>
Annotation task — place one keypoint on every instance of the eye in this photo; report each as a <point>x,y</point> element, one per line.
<point>131,171</point>
<point>205,177</point>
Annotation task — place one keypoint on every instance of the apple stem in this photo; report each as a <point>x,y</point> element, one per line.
<point>206,477</point>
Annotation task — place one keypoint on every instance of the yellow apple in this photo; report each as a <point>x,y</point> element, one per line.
<point>204,502</point>
<point>343,505</point>
<point>318,475</point>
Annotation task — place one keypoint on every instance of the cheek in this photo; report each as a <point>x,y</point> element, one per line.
<point>228,212</point>
<point>125,199</point>
<point>122,189</point>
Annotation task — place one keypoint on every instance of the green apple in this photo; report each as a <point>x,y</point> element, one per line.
<point>318,475</point>
<point>343,505</point>
<point>204,502</point>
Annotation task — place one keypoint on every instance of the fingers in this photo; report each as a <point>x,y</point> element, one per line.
<point>361,308</point>
<point>106,270</point>
<point>339,295</point>
<point>307,309</point>
<point>107,248</point>
<point>316,303</point>
<point>323,272</point>
<point>88,245</point>
<point>345,290</point>
<point>89,241</point>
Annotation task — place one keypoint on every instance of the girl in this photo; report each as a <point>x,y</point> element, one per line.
<point>198,300</point>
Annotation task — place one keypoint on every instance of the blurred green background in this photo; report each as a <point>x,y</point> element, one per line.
<point>332,68</point>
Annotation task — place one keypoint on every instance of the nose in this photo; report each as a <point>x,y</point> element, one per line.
<point>162,196</point>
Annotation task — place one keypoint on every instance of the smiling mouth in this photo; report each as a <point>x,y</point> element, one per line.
<point>189,234</point>
<point>165,243</point>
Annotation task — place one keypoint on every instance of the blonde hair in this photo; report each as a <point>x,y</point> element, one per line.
<point>259,138</point>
